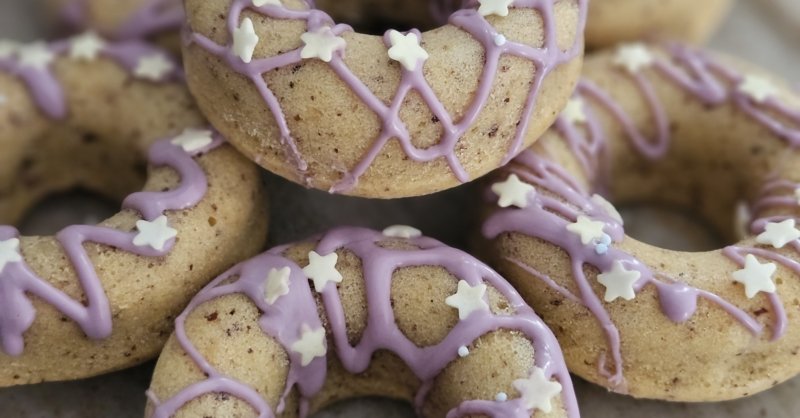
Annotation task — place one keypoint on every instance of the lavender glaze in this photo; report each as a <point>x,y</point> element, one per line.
<point>560,199</point>
<point>284,319</point>
<point>546,59</point>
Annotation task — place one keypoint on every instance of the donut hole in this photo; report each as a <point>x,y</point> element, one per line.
<point>375,17</point>
<point>68,177</point>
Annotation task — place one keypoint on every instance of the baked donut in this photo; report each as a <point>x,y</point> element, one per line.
<point>83,113</point>
<point>124,20</point>
<point>677,127</point>
<point>399,115</point>
<point>393,314</point>
<point>613,21</point>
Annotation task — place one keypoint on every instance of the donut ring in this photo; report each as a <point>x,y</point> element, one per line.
<point>93,299</point>
<point>388,322</point>
<point>614,21</point>
<point>124,20</point>
<point>322,105</point>
<point>683,128</point>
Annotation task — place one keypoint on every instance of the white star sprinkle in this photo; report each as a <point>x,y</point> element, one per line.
<point>9,253</point>
<point>537,390</point>
<point>402,231</point>
<point>588,229</point>
<point>322,270</point>
<point>37,55</point>
<point>608,207</point>
<point>310,345</point>
<point>463,351</point>
<point>153,67</point>
<point>778,234</point>
<point>86,47</point>
<point>406,50</point>
<point>755,277</point>
<point>8,48</point>
<point>757,88</point>
<point>277,284</point>
<point>634,57</point>
<point>321,44</point>
<point>513,192</point>
<point>574,112</point>
<point>259,3</point>
<point>500,39</point>
<point>245,40</point>
<point>619,282</point>
<point>468,299</point>
<point>154,234</point>
<point>192,140</point>
<point>494,7</point>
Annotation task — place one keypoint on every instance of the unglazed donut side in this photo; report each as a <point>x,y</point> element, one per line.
<point>690,333</point>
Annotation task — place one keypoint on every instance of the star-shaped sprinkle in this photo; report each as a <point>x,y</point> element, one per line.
<point>322,270</point>
<point>245,40</point>
<point>468,299</point>
<point>494,7</point>
<point>86,47</point>
<point>37,55</point>
<point>608,207</point>
<point>153,67</point>
<point>321,44</point>
<point>310,345</point>
<point>757,88</point>
<point>463,351</point>
<point>574,112</point>
<point>501,397</point>
<point>619,282</point>
<point>513,192</point>
<point>9,253</point>
<point>537,390</point>
<point>277,284</point>
<point>259,3</point>
<point>192,140</point>
<point>402,231</point>
<point>634,57</point>
<point>755,277</point>
<point>154,234</point>
<point>8,48</point>
<point>778,234</point>
<point>588,229</point>
<point>500,39</point>
<point>406,50</point>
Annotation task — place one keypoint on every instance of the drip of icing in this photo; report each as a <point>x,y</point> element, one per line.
<point>153,17</point>
<point>283,320</point>
<point>546,59</point>
<point>47,91</point>
<point>548,215</point>
<point>18,280</point>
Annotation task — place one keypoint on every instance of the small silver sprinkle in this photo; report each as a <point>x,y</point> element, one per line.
<point>463,351</point>
<point>500,40</point>
<point>501,397</point>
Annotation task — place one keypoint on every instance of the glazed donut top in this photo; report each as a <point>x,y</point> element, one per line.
<point>154,16</point>
<point>551,204</point>
<point>290,315</point>
<point>154,236</point>
<point>323,40</point>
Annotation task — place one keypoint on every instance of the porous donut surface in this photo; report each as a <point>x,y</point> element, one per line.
<point>354,313</point>
<point>91,114</point>
<point>614,21</point>
<point>678,127</point>
<point>403,114</point>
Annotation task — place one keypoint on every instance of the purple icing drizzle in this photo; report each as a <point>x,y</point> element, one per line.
<point>467,19</point>
<point>285,318</point>
<point>548,214</point>
<point>153,17</point>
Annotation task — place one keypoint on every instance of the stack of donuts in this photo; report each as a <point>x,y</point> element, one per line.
<point>550,109</point>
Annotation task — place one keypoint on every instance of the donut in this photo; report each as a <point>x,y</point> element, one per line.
<point>123,20</point>
<point>611,22</point>
<point>390,314</point>
<point>403,114</point>
<point>671,126</point>
<point>86,113</point>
